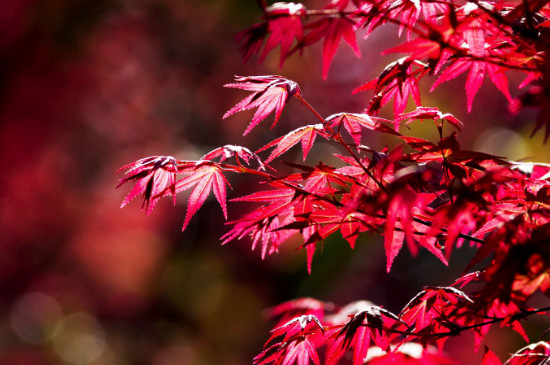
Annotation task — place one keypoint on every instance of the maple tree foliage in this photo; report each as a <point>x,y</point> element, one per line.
<point>417,193</point>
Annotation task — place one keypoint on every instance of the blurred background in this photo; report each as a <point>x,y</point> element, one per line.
<point>89,86</point>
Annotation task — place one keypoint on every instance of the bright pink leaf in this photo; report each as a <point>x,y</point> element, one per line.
<point>284,24</point>
<point>432,113</point>
<point>205,177</point>
<point>305,134</point>
<point>155,178</point>
<point>270,93</point>
<point>354,123</point>
<point>397,81</point>
<point>333,29</point>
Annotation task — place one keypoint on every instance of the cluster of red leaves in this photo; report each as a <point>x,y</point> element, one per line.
<point>422,194</point>
<point>445,38</point>
<point>373,335</point>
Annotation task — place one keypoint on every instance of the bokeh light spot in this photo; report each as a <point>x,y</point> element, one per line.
<point>79,339</point>
<point>34,316</point>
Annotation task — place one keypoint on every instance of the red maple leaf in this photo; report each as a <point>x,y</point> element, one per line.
<point>364,326</point>
<point>397,81</point>
<point>399,215</point>
<point>408,11</point>
<point>429,311</point>
<point>155,176</point>
<point>263,223</point>
<point>270,93</point>
<point>205,177</point>
<point>229,151</point>
<point>290,343</point>
<point>434,50</point>
<point>298,351</point>
<point>251,40</point>
<point>432,113</point>
<point>283,24</point>
<point>478,70</point>
<point>296,326</point>
<point>304,134</point>
<point>332,28</point>
<point>497,309</point>
<point>354,123</point>
<point>479,45</point>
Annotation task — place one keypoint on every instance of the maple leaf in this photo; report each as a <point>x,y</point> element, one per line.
<point>263,223</point>
<point>303,324</point>
<point>474,315</point>
<point>315,227</point>
<point>321,179</point>
<point>478,69</point>
<point>305,208</point>
<point>270,93</point>
<point>251,40</point>
<point>320,214</point>
<point>290,343</point>
<point>365,325</point>
<point>432,113</point>
<point>528,9</point>
<point>329,218</point>
<point>283,24</point>
<point>467,278</point>
<point>332,28</point>
<point>298,351</point>
<point>420,48</point>
<point>400,207</point>
<point>498,309</point>
<point>154,176</point>
<point>532,169</point>
<point>397,81</point>
<point>205,177</point>
<point>354,123</point>
<point>369,16</point>
<point>460,220</point>
<point>408,11</point>
<point>402,202</point>
<point>458,163</point>
<point>304,134</point>
<point>372,14</point>
<point>342,315</point>
<point>229,151</point>
<point>428,311</point>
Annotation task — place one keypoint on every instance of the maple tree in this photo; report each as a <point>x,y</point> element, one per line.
<point>415,193</point>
